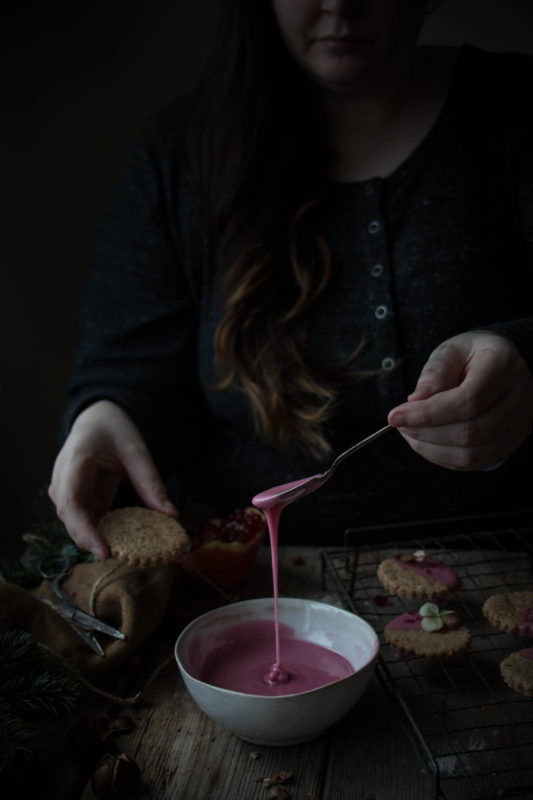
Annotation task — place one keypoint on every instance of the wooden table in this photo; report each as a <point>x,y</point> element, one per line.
<point>368,755</point>
<point>185,756</point>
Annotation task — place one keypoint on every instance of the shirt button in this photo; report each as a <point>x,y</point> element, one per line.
<point>381,312</point>
<point>376,270</point>
<point>388,363</point>
<point>374,226</point>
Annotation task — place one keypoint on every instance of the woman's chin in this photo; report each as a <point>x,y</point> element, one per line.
<point>347,73</point>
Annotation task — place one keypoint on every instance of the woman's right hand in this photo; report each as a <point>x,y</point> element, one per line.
<point>104,447</point>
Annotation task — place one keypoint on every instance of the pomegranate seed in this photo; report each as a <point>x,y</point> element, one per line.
<point>381,600</point>
<point>238,526</point>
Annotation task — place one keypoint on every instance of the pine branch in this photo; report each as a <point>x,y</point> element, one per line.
<point>34,680</point>
<point>21,745</point>
<point>36,687</point>
<point>41,694</point>
<point>46,542</point>
<point>12,570</point>
<point>15,648</point>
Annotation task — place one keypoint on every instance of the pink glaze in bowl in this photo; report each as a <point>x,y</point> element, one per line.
<point>290,718</point>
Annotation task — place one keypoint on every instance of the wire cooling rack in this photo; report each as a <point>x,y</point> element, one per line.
<point>475,733</point>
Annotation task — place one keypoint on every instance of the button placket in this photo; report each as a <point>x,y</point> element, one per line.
<point>380,290</point>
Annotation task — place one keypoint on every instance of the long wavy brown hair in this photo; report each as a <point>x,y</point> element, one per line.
<point>257,150</point>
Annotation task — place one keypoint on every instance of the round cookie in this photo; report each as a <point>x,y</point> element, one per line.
<point>417,576</point>
<point>511,612</point>
<point>517,671</point>
<point>142,537</point>
<point>406,634</point>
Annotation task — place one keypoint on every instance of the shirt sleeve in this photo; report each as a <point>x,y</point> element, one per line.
<point>137,340</point>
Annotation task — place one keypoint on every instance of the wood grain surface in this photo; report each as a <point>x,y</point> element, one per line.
<point>185,756</point>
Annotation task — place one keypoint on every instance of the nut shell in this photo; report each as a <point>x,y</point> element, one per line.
<point>115,777</point>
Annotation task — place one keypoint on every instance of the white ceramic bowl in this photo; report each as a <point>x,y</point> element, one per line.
<point>286,719</point>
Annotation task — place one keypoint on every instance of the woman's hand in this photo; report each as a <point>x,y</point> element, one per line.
<point>103,447</point>
<point>472,405</point>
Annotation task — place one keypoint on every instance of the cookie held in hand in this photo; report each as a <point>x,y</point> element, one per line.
<point>142,537</point>
<point>417,576</point>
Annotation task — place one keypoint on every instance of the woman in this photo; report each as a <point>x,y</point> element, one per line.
<point>335,218</point>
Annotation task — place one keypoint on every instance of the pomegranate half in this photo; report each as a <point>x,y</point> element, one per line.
<point>223,550</point>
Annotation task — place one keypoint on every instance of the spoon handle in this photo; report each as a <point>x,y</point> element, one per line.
<point>359,445</point>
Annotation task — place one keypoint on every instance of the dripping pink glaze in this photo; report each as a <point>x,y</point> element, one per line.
<point>269,502</point>
<point>431,568</point>
<point>526,626</point>
<point>272,506</point>
<point>527,653</point>
<point>277,673</point>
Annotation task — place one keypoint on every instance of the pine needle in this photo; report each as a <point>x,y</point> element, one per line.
<point>37,687</point>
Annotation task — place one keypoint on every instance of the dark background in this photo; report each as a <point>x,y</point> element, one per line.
<point>77,86</point>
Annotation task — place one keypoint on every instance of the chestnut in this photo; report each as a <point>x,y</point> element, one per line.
<point>115,777</point>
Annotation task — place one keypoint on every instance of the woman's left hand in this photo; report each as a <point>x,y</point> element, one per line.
<point>472,405</point>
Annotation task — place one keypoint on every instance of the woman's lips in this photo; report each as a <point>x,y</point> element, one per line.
<point>343,42</point>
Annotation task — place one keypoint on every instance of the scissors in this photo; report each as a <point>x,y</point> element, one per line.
<point>81,622</point>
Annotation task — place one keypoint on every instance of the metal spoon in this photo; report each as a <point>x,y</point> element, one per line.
<point>288,492</point>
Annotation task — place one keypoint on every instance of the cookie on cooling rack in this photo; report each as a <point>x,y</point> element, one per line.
<point>417,576</point>
<point>141,537</point>
<point>429,632</point>
<point>511,612</point>
<point>517,671</point>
